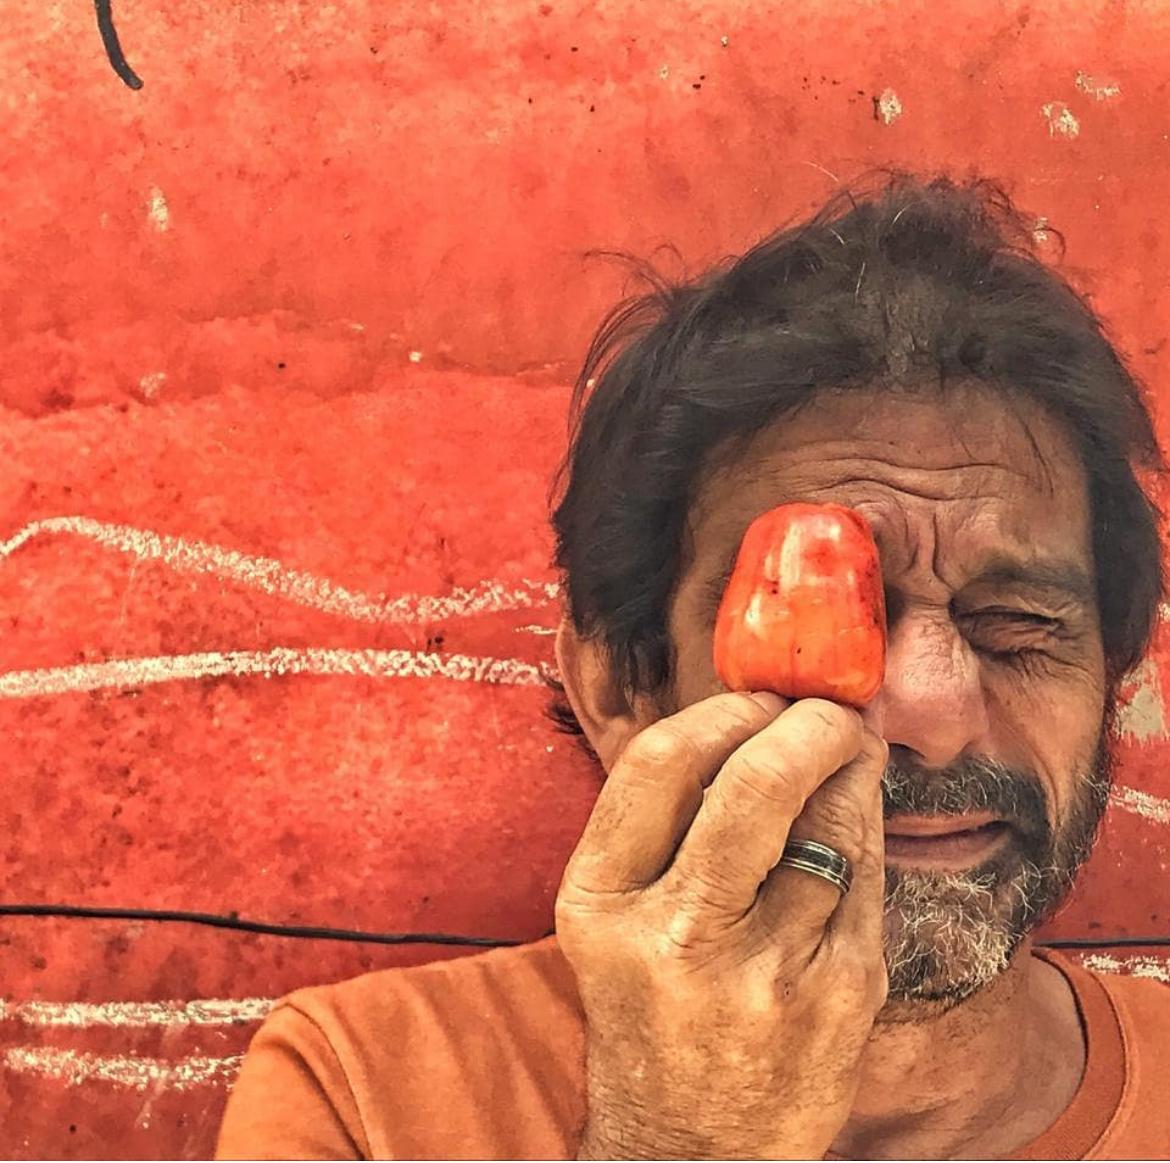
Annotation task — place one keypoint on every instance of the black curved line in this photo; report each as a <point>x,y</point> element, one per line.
<point>113,48</point>
<point>233,921</point>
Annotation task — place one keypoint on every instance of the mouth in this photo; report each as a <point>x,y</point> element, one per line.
<point>942,842</point>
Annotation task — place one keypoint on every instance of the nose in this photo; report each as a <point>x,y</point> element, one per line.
<point>931,702</point>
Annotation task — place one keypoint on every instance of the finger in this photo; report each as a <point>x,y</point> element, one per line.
<point>655,788</point>
<point>845,813</point>
<point>738,833</point>
<point>859,920</point>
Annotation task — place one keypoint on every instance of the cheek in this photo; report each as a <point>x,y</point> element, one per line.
<point>1052,731</point>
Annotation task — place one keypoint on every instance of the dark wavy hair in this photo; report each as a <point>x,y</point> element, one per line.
<point>909,284</point>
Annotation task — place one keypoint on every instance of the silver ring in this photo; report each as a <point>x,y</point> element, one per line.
<point>820,860</point>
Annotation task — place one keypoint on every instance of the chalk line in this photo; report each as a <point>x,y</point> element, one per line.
<point>1141,803</point>
<point>281,660</point>
<point>1138,965</point>
<point>271,576</point>
<point>74,1067</point>
<point>137,1014</point>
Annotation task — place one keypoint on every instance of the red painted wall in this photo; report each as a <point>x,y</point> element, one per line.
<point>275,591</point>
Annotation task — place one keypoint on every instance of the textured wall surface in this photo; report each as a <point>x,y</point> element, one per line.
<point>286,338</point>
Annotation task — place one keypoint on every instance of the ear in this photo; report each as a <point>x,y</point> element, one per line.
<point>601,707</point>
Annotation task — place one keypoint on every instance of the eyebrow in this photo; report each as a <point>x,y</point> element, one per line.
<point>1063,579</point>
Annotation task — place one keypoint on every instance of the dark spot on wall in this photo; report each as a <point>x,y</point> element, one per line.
<point>281,366</point>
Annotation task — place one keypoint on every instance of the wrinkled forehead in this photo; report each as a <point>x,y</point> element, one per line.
<point>970,470</point>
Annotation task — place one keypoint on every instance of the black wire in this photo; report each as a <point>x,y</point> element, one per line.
<point>234,921</point>
<point>105,19</point>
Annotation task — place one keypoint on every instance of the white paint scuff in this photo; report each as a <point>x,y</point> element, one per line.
<point>272,577</point>
<point>889,107</point>
<point>1099,90</point>
<point>1060,119</point>
<point>281,660</point>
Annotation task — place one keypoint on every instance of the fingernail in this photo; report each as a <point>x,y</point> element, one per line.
<point>772,703</point>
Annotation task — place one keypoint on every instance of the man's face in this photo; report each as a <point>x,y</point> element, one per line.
<point>994,697</point>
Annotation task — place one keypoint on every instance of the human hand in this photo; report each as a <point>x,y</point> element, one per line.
<point>727,999</point>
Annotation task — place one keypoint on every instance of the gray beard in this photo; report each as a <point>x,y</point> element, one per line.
<point>948,935</point>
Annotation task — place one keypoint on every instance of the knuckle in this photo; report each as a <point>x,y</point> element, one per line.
<point>835,716</point>
<point>767,776</point>
<point>661,745</point>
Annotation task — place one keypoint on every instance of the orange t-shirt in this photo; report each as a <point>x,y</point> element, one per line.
<point>482,1057</point>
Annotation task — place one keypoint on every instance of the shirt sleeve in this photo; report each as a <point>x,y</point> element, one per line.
<point>291,1099</point>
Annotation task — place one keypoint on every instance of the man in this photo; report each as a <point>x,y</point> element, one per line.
<point>902,355</point>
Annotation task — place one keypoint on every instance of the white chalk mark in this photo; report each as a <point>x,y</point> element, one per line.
<point>1141,803</point>
<point>281,660</point>
<point>151,383</point>
<point>1139,965</point>
<point>137,1014</point>
<point>539,630</point>
<point>137,1073</point>
<point>1100,90</point>
<point>889,106</point>
<point>1060,119</point>
<point>159,213</point>
<point>272,577</point>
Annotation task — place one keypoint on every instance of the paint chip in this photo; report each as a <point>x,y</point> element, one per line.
<point>416,357</point>
<point>1060,119</point>
<point>1038,231</point>
<point>159,213</point>
<point>723,41</point>
<point>151,383</point>
<point>664,72</point>
<point>1100,90</point>
<point>1143,715</point>
<point>889,106</point>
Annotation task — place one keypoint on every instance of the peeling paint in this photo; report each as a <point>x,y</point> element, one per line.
<point>151,383</point>
<point>664,72</point>
<point>889,106</point>
<point>159,213</point>
<point>1060,119</point>
<point>416,357</point>
<point>1143,717</point>
<point>1101,90</point>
